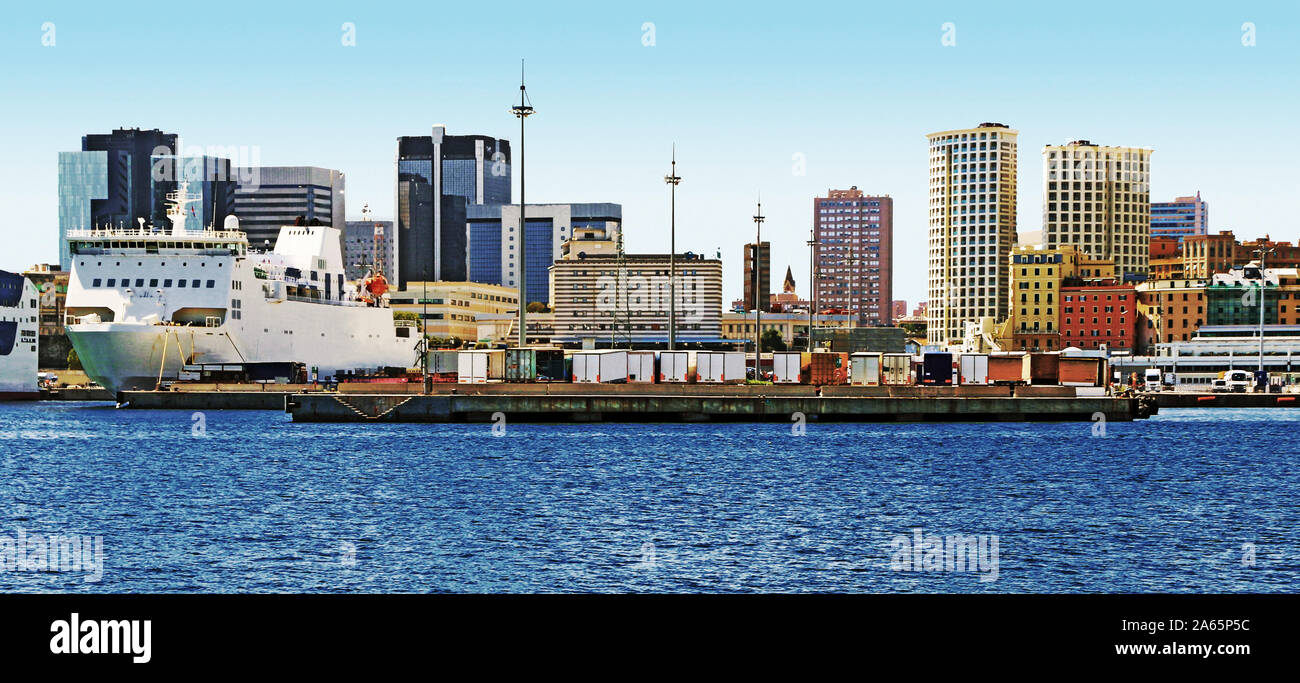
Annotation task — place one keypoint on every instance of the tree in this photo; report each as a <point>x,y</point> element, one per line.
<point>405,315</point>
<point>74,363</point>
<point>772,341</point>
<point>538,307</point>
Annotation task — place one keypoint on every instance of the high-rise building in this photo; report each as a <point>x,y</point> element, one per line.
<point>359,252</point>
<point>853,236</point>
<point>438,177</point>
<point>1098,199</point>
<point>1183,217</point>
<point>762,279</point>
<point>268,197</point>
<point>972,217</point>
<point>109,182</point>
<point>494,240</point>
<point>208,180</point>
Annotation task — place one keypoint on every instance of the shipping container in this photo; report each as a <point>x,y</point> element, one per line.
<point>605,367</point>
<point>521,365</point>
<point>865,369</point>
<point>896,369</point>
<point>675,367</point>
<point>551,365</point>
<point>1041,368</point>
<point>481,367</point>
<point>444,362</point>
<point>720,367</point>
<point>937,369</point>
<point>790,367</point>
<point>975,369</point>
<point>828,367</point>
<point>1006,368</point>
<point>1082,371</point>
<point>641,367</point>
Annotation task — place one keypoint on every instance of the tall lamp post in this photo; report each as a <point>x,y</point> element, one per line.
<point>672,179</point>
<point>1263,252</point>
<point>812,284</point>
<point>758,278</point>
<point>522,111</point>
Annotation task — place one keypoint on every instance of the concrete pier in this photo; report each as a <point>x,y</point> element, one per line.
<point>578,407</point>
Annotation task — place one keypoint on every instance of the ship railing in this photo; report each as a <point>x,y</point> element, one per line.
<point>147,233</point>
<point>328,302</point>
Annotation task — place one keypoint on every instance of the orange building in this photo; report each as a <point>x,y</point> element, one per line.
<point>1205,255</point>
<point>1169,311</point>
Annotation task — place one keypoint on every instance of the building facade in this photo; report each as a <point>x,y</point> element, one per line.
<point>972,227</point>
<point>268,197</point>
<point>853,254</point>
<point>1098,199</point>
<point>209,180</point>
<point>367,244</point>
<point>758,276</point>
<point>464,311</point>
<point>109,182</point>
<point>494,255</point>
<point>1169,311</point>
<point>1100,315</point>
<point>438,177</point>
<point>1183,217</point>
<point>592,300</point>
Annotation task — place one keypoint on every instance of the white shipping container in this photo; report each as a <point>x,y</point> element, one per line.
<point>974,368</point>
<point>675,366</point>
<point>480,367</point>
<point>787,367</point>
<point>719,367</point>
<point>600,366</point>
<point>641,366</point>
<point>864,369</point>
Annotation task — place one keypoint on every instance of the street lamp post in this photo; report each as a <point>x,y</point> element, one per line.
<point>672,179</point>
<point>522,110</point>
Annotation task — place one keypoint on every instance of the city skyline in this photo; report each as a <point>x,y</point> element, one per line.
<point>690,89</point>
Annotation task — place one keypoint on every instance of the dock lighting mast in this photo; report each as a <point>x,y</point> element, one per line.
<point>522,111</point>
<point>758,278</point>
<point>1263,252</point>
<point>672,179</point>
<point>812,286</point>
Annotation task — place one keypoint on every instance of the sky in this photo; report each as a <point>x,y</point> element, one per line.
<point>767,100</point>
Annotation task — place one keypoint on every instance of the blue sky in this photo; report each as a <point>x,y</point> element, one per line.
<point>740,88</point>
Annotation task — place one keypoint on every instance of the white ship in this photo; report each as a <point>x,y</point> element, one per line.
<point>19,313</point>
<point>144,302</point>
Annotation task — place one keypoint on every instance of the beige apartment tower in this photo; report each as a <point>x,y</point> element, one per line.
<point>972,217</point>
<point>1098,199</point>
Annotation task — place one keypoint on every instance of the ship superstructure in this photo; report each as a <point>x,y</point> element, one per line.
<point>144,302</point>
<point>19,319</point>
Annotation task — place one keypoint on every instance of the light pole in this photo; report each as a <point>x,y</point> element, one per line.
<point>672,179</point>
<point>1263,252</point>
<point>758,296</point>
<point>522,110</point>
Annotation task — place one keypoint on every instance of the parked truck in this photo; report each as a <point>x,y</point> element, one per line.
<point>937,369</point>
<point>896,369</point>
<point>600,367</point>
<point>641,367</point>
<point>720,367</point>
<point>974,369</point>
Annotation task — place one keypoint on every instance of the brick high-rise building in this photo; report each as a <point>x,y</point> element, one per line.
<point>972,216</point>
<point>853,237</point>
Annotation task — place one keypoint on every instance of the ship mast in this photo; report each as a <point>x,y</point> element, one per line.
<point>176,208</point>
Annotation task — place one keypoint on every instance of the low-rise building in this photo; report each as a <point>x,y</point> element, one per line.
<point>457,310</point>
<point>1099,315</point>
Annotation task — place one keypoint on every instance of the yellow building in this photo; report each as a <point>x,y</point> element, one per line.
<point>459,309</point>
<point>1098,199</point>
<point>740,326</point>
<point>1037,275</point>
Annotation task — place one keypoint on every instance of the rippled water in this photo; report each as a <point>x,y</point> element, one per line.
<point>256,503</point>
